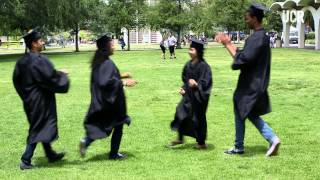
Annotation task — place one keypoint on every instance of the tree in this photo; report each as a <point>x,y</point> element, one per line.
<point>170,14</point>
<point>75,20</point>
<point>10,18</point>
<point>200,20</point>
<point>128,14</point>
<point>229,14</point>
<point>97,21</point>
<point>273,22</point>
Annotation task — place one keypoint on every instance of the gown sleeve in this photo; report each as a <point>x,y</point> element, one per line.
<point>184,77</point>
<point>48,78</point>
<point>203,91</point>
<point>250,53</point>
<point>109,81</point>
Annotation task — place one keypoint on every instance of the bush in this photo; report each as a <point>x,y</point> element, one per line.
<point>311,35</point>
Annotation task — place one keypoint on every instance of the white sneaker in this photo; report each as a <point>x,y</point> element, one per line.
<point>274,147</point>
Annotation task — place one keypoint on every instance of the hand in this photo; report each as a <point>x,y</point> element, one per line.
<point>222,38</point>
<point>182,91</point>
<point>193,83</point>
<point>126,75</point>
<point>130,82</point>
<point>64,71</point>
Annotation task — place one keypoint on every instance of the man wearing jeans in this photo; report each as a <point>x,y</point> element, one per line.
<point>251,99</point>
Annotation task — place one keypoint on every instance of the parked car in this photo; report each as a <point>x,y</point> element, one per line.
<point>293,37</point>
<point>234,36</point>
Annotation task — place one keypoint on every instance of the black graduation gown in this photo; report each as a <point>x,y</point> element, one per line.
<point>190,116</point>
<point>36,81</point>
<point>251,95</point>
<point>108,103</point>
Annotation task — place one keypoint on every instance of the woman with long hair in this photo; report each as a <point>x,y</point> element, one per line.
<point>107,112</point>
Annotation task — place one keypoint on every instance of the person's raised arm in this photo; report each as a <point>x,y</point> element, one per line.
<point>226,41</point>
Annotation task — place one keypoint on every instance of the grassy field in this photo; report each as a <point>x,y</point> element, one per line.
<point>71,48</point>
<point>295,98</point>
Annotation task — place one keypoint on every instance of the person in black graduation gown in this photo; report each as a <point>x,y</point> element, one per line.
<point>190,116</point>
<point>36,81</point>
<point>107,111</point>
<point>251,99</point>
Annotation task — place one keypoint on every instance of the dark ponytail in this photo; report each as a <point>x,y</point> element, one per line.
<point>99,57</point>
<point>103,52</point>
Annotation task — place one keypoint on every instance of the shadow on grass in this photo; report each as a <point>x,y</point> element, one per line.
<point>190,146</point>
<point>105,157</point>
<point>42,162</point>
<point>251,151</point>
<point>14,57</point>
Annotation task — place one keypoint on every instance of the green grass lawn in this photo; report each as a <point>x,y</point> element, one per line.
<point>295,97</point>
<point>71,48</point>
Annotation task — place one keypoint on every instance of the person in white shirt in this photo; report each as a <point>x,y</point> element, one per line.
<point>172,41</point>
<point>272,41</point>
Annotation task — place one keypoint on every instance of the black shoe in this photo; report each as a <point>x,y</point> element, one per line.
<point>234,151</point>
<point>56,157</point>
<point>83,147</point>
<point>25,166</point>
<point>175,143</point>
<point>201,146</point>
<point>117,156</point>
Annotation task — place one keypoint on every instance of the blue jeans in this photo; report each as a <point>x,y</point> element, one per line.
<point>262,126</point>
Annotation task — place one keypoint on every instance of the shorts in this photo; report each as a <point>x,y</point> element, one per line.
<point>171,48</point>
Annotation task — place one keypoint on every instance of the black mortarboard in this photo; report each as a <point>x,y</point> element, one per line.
<point>31,36</point>
<point>198,45</point>
<point>258,9</point>
<point>103,41</point>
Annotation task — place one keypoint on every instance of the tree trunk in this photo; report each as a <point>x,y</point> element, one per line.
<point>8,43</point>
<point>77,39</point>
<point>128,40</point>
<point>179,38</point>
<point>179,28</point>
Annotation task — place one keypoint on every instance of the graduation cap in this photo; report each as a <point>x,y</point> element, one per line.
<point>102,41</point>
<point>257,9</point>
<point>199,46</point>
<point>31,36</point>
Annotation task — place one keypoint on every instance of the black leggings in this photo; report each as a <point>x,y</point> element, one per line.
<point>171,48</point>
<point>163,49</point>
<point>115,140</point>
<point>27,155</point>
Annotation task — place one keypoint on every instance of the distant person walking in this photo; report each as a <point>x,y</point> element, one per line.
<point>122,43</point>
<point>163,46</point>
<point>172,41</point>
